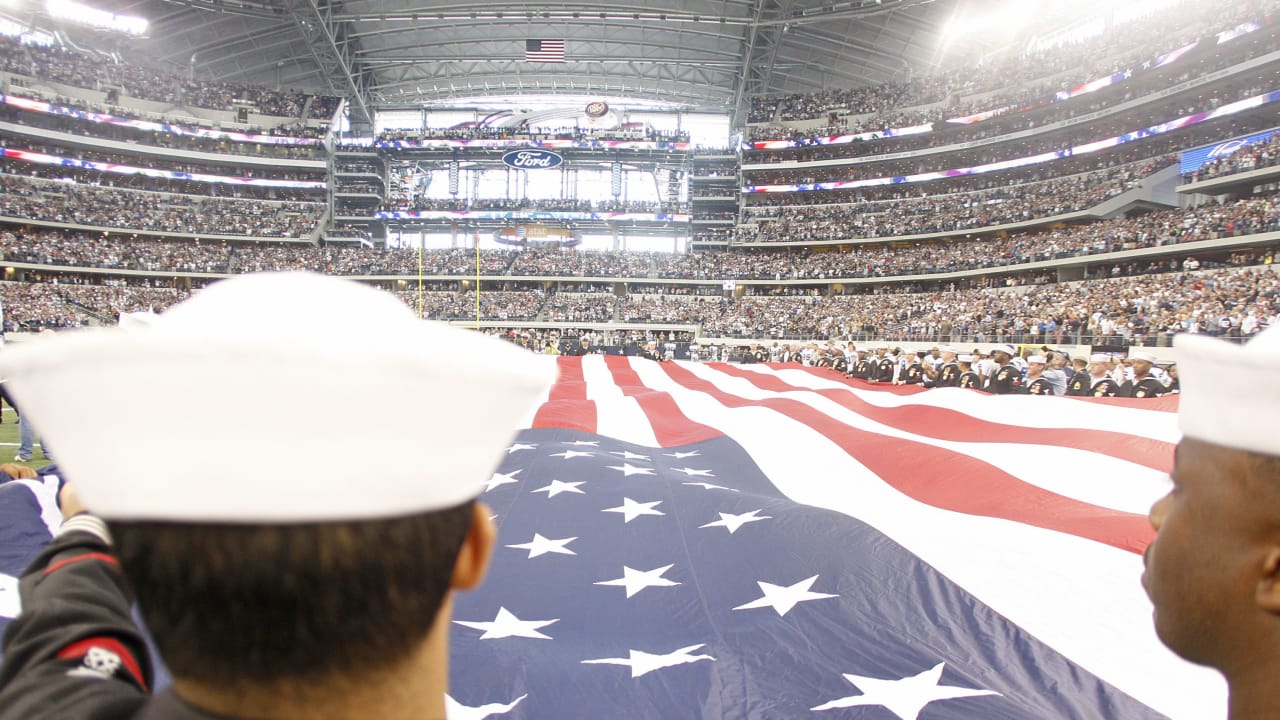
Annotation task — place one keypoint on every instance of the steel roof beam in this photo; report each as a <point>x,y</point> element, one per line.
<point>327,41</point>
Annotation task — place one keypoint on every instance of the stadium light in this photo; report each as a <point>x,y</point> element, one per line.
<point>95,17</point>
<point>1008,18</point>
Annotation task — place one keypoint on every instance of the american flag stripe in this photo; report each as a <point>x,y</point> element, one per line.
<point>618,415</point>
<point>671,427</point>
<point>944,478</point>
<point>947,424</point>
<point>1156,418</point>
<point>567,405</point>
<point>1081,596</point>
<point>1090,476</point>
<point>1015,478</point>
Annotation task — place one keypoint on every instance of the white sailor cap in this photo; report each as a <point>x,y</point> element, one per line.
<point>1143,355</point>
<point>1037,359</point>
<point>1099,358</point>
<point>1006,349</point>
<point>947,348</point>
<point>964,358</point>
<point>1230,393</point>
<point>224,409</point>
<point>882,346</point>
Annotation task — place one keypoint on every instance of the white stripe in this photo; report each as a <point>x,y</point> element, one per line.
<point>617,415</point>
<point>1048,412</point>
<point>1085,476</point>
<point>1080,597</point>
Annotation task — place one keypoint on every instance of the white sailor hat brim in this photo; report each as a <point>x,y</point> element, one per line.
<point>1230,393</point>
<point>277,397</point>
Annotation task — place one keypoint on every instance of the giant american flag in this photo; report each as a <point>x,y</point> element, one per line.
<point>684,540</point>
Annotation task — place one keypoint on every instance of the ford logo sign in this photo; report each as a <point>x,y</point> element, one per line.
<point>532,159</point>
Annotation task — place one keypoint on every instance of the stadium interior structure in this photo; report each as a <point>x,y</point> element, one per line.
<point>711,172</point>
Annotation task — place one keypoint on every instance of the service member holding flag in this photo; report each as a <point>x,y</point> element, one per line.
<point>1213,571</point>
<point>280,579</point>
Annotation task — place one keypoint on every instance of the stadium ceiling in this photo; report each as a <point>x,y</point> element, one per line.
<point>704,55</point>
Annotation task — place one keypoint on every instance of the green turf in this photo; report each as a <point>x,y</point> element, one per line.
<point>9,434</point>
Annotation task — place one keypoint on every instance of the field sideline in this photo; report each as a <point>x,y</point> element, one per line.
<point>9,440</point>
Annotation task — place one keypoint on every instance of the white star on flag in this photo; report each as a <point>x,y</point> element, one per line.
<point>589,443</point>
<point>642,663</point>
<point>556,487</point>
<point>631,509</point>
<point>455,710</point>
<point>628,455</point>
<point>571,454</point>
<point>516,447</point>
<point>541,546</point>
<point>732,522</point>
<point>502,479</point>
<point>506,625</point>
<point>636,580</point>
<point>904,698</point>
<point>628,469</point>
<point>709,486</point>
<point>784,597</point>
<point>681,455</point>
<point>693,473</point>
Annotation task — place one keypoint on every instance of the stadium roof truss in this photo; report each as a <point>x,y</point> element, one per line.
<point>704,55</point>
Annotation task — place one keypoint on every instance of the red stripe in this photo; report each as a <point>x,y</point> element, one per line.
<point>568,406</point>
<point>671,427</point>
<point>77,650</point>
<point>949,480</point>
<point>102,557</point>
<point>954,426</point>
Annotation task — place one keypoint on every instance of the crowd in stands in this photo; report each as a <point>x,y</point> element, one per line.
<point>33,306</point>
<point>580,307</point>
<point>1153,229</point>
<point>1008,124</point>
<point>349,260</point>
<point>1154,149</point>
<point>1067,65</point>
<point>574,264</point>
<point>999,150</point>
<point>1125,311</point>
<point>103,72</point>
<point>943,213</point>
<point>1251,157</point>
<point>1129,311</point>
<point>70,106</point>
<point>157,138</point>
<point>501,305</point>
<point>80,204</point>
<point>170,164</point>
<point>85,250</point>
<point>1021,109</point>
<point>42,175</point>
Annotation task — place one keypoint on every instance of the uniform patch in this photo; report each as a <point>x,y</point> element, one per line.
<point>102,658</point>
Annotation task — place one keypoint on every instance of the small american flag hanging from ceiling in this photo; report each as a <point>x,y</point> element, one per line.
<point>545,51</point>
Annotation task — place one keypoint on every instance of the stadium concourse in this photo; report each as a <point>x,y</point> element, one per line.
<point>852,204</point>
